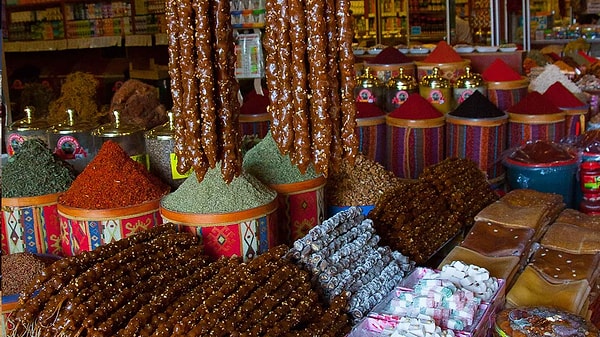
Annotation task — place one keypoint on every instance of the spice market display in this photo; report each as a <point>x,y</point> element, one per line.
<point>476,220</point>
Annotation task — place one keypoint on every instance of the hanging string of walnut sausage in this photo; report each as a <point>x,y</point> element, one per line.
<point>317,81</point>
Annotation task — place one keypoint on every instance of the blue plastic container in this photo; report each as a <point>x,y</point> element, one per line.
<point>557,177</point>
<point>332,210</point>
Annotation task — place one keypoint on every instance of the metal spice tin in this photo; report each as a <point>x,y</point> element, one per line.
<point>160,144</point>
<point>369,89</point>
<point>26,128</point>
<point>72,141</point>
<point>467,84</point>
<point>398,89</point>
<point>437,91</point>
<point>129,137</point>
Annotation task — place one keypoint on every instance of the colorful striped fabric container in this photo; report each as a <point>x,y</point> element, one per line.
<point>481,140</point>
<point>413,145</point>
<point>523,128</point>
<point>575,119</point>
<point>371,133</point>
<point>508,93</point>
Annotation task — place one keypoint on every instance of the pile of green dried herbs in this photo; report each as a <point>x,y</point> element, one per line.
<point>35,171</point>
<point>213,195</point>
<point>265,162</point>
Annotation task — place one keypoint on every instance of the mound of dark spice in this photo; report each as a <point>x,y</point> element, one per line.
<point>113,180</point>
<point>35,171</point>
<point>534,104</point>
<point>477,106</point>
<point>390,55</point>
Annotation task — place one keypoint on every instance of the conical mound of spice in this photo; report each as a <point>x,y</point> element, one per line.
<point>477,106</point>
<point>113,180</point>
<point>558,94</point>
<point>390,55</point>
<point>265,162</point>
<point>214,196</point>
<point>443,53</point>
<point>255,103</point>
<point>499,71</point>
<point>415,108</point>
<point>366,110</point>
<point>534,104</point>
<point>34,170</point>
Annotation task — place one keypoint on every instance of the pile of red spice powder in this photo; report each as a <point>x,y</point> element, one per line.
<point>254,103</point>
<point>560,96</point>
<point>415,108</point>
<point>366,110</point>
<point>390,55</point>
<point>443,53</point>
<point>534,104</point>
<point>499,71</point>
<point>113,180</point>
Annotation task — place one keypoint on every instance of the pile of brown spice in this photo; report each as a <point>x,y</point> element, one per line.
<point>20,269</point>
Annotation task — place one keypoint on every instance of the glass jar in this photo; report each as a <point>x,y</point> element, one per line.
<point>129,137</point>
<point>26,128</point>
<point>466,84</point>
<point>369,89</point>
<point>73,141</point>
<point>398,89</point>
<point>437,91</point>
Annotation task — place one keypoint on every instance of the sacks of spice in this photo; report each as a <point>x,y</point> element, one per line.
<point>535,118</point>
<point>505,86</point>
<point>32,180</point>
<point>415,137</point>
<point>388,62</point>
<point>301,195</point>
<point>112,198</point>
<point>451,65</point>
<point>238,218</point>
<point>477,130</point>
<point>371,131</point>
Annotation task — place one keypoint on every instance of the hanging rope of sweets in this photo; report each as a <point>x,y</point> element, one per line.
<point>205,105</point>
<point>312,108</point>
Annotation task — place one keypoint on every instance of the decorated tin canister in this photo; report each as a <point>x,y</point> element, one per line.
<point>72,141</point>
<point>467,84</point>
<point>398,89</point>
<point>26,128</point>
<point>369,89</point>
<point>160,147</point>
<point>129,137</point>
<point>437,90</point>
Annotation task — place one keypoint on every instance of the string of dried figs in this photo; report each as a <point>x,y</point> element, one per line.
<point>310,77</point>
<point>204,87</point>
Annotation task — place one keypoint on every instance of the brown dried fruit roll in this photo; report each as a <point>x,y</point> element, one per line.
<point>223,47</point>
<point>172,18</point>
<point>205,75</point>
<point>319,85</point>
<point>347,80</point>
<point>189,100</point>
<point>284,53</point>
<point>301,155</point>
<point>334,75</point>
<point>272,69</point>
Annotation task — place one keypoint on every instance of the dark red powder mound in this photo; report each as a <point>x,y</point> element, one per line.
<point>254,103</point>
<point>477,106</point>
<point>541,152</point>
<point>416,107</point>
<point>443,53</point>
<point>534,104</point>
<point>562,97</point>
<point>499,71</point>
<point>390,55</point>
<point>366,110</point>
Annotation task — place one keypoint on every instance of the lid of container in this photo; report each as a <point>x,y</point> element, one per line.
<point>116,129</point>
<point>402,81</point>
<point>164,131</point>
<point>435,80</point>
<point>71,125</point>
<point>469,80</point>
<point>367,80</point>
<point>29,123</point>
